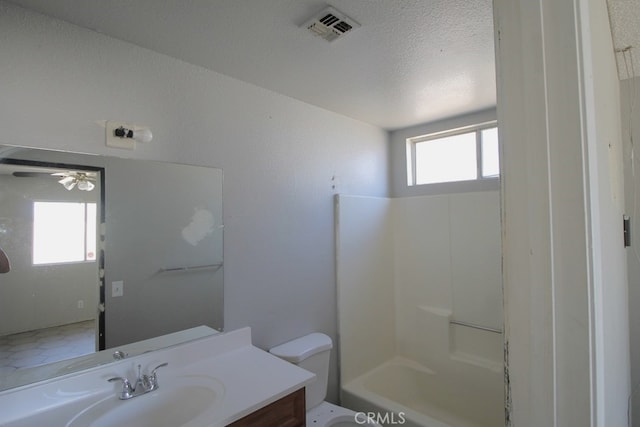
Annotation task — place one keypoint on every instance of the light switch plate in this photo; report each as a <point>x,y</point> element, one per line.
<point>117,288</point>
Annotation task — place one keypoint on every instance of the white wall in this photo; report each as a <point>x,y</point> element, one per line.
<point>554,68</point>
<point>630,97</point>
<point>607,205</point>
<point>278,156</point>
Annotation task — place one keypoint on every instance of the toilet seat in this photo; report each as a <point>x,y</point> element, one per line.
<point>329,415</point>
<point>346,421</point>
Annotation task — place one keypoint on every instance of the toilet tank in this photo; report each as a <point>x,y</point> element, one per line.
<point>311,352</point>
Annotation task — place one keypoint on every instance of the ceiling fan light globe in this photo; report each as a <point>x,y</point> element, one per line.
<point>66,180</point>
<point>85,185</point>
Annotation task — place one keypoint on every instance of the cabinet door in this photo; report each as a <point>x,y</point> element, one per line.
<point>289,411</point>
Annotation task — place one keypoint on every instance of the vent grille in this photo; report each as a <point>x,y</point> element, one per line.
<point>331,24</point>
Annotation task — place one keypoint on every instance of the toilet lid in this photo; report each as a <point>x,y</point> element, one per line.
<point>299,349</point>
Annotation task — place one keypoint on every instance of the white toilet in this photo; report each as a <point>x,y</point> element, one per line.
<point>312,352</point>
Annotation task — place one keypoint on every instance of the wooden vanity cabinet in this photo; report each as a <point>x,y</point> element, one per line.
<point>288,411</point>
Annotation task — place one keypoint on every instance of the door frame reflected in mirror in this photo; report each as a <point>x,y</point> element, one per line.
<point>51,168</point>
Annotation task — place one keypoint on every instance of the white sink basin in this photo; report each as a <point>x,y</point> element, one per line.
<point>182,401</point>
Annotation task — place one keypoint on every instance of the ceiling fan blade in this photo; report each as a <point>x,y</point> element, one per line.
<point>27,174</point>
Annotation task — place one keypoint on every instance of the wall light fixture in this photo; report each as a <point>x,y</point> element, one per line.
<point>125,135</point>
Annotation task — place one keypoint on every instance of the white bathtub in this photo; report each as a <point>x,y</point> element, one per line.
<point>402,390</point>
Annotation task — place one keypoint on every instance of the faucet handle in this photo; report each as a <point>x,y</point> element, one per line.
<point>162,365</point>
<point>127,390</point>
<point>152,379</point>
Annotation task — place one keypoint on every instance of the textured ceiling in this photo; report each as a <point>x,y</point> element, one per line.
<point>411,62</point>
<point>625,27</point>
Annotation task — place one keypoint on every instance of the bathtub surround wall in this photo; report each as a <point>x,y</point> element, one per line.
<point>447,267</point>
<point>366,297</point>
<point>405,264</point>
<point>278,156</point>
<point>416,264</point>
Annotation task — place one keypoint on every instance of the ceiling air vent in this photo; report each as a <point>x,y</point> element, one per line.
<point>331,24</point>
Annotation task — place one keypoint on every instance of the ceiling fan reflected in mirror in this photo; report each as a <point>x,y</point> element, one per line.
<point>83,181</point>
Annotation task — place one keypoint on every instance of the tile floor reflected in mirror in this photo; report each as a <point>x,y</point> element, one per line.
<point>42,346</point>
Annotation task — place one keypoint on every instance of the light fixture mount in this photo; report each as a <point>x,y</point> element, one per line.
<point>125,135</point>
<point>121,132</point>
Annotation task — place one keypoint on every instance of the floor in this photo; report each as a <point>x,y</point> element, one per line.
<point>42,346</point>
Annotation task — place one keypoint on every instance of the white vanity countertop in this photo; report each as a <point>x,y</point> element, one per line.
<point>261,381</point>
<point>252,379</point>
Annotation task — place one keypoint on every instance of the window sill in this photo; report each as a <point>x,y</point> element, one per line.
<point>485,184</point>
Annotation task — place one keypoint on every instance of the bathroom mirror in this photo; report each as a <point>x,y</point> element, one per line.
<point>114,251</point>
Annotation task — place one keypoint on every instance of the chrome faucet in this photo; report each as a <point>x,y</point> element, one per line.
<point>144,383</point>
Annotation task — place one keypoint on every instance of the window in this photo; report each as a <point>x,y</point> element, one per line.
<point>459,155</point>
<point>64,232</point>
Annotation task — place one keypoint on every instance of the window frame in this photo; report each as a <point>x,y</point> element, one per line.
<point>475,128</point>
